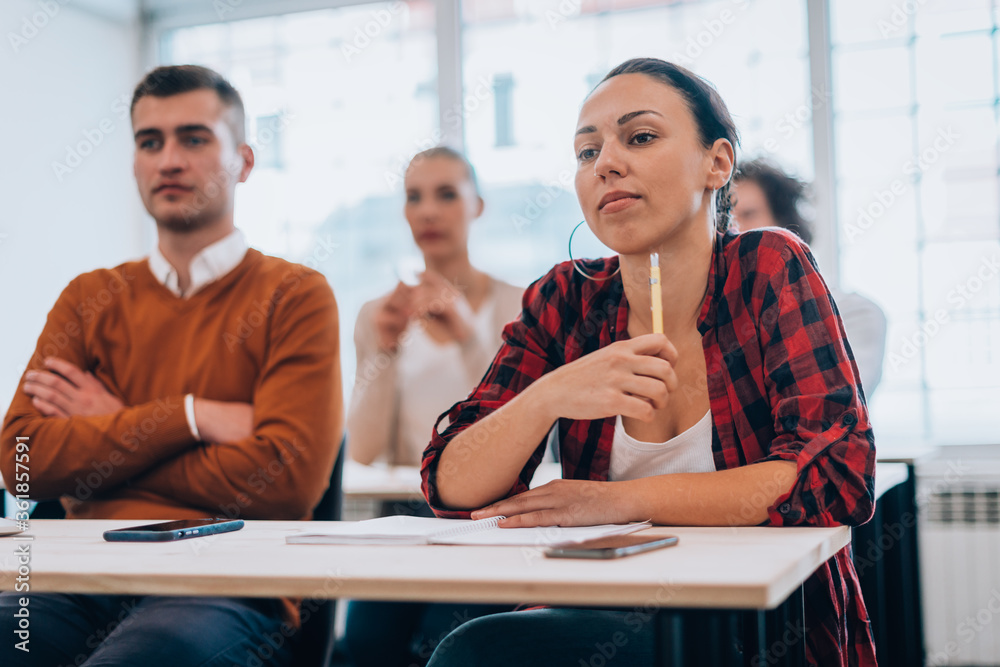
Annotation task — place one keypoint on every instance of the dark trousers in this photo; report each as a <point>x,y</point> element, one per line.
<point>143,631</point>
<point>551,638</point>
<point>403,634</point>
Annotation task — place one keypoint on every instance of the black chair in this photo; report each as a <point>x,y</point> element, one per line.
<point>331,505</point>
<point>887,559</point>
<point>48,509</point>
<point>316,637</point>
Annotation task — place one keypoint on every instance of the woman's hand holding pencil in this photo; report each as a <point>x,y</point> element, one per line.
<point>632,378</point>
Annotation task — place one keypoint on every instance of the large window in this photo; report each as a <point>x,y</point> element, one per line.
<point>916,123</point>
<point>339,100</point>
<point>544,57</point>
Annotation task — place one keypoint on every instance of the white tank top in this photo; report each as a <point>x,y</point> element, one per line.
<point>690,451</point>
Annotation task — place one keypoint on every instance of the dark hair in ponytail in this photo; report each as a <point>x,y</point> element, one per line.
<point>709,111</point>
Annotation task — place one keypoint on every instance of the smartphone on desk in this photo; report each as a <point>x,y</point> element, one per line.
<point>612,547</point>
<point>169,531</point>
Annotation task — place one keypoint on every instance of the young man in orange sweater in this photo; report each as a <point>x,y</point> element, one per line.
<point>203,381</point>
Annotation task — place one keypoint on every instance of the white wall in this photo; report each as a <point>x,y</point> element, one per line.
<point>59,83</point>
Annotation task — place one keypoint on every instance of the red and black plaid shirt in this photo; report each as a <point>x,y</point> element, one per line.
<point>782,383</point>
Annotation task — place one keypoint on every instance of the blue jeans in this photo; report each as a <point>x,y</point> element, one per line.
<point>551,638</point>
<point>92,630</point>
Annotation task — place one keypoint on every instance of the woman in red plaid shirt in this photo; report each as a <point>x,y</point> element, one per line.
<point>753,347</point>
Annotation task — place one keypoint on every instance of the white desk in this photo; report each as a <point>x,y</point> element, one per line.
<point>699,573</point>
<point>402,483</point>
<point>71,556</point>
<point>382,483</point>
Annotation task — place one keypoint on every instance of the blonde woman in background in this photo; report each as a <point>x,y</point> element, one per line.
<point>420,349</point>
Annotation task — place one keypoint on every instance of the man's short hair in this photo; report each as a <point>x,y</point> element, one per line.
<point>176,79</point>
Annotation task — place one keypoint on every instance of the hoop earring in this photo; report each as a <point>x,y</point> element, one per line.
<point>577,266</point>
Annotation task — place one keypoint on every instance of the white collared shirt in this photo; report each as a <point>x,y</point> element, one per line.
<point>210,264</point>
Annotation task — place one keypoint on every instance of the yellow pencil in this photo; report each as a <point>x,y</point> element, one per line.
<point>654,292</point>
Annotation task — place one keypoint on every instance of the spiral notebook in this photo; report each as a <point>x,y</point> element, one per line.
<point>411,530</point>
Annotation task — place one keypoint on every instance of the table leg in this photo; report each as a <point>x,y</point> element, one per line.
<point>698,637</point>
<point>669,639</point>
<point>730,638</point>
<point>901,579</point>
<point>776,637</point>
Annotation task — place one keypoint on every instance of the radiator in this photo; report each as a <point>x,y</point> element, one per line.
<point>958,495</point>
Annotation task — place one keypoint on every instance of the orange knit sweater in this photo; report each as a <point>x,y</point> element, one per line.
<point>266,333</point>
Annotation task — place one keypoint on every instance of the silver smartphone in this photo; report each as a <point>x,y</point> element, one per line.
<point>612,547</point>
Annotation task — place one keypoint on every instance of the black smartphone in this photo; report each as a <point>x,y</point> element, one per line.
<point>169,531</point>
<point>611,547</point>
